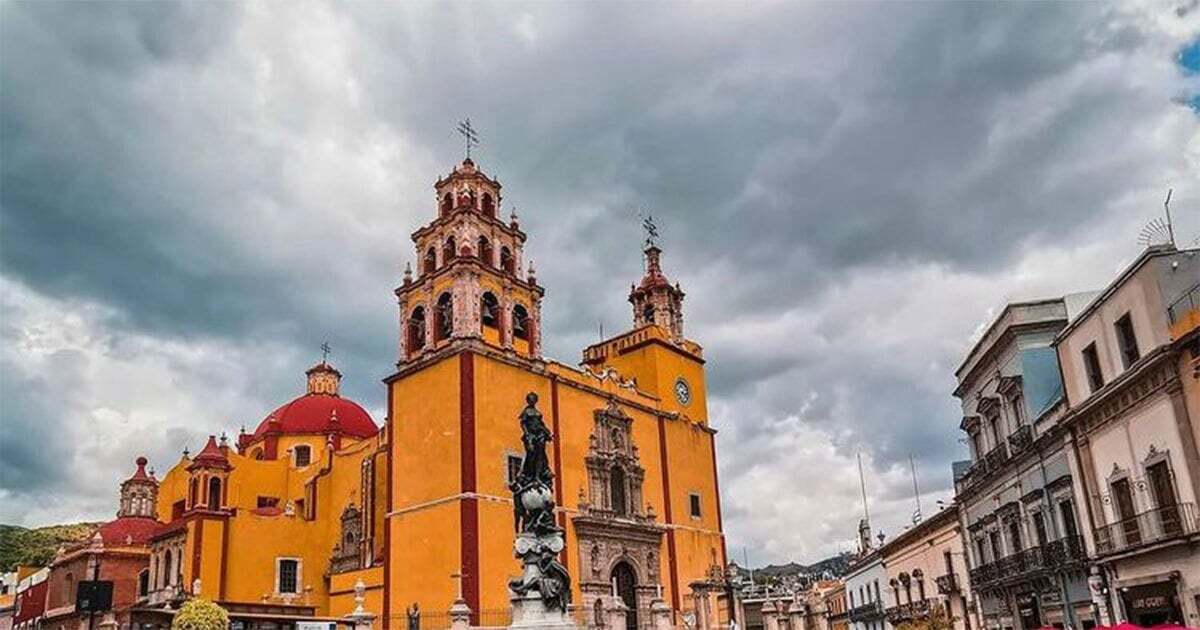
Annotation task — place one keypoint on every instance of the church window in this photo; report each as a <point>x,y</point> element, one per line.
<point>193,499</point>
<point>506,260</point>
<point>430,264</point>
<point>166,569</point>
<point>447,204</point>
<point>520,322</point>
<point>177,509</point>
<point>416,329</point>
<point>694,504</point>
<point>617,491</point>
<point>444,317</point>
<point>489,206</point>
<point>214,493</point>
<point>648,314</point>
<point>267,502</point>
<point>143,582</point>
<point>489,310</point>
<point>449,251</point>
<point>287,576</point>
<point>485,251</point>
<point>302,455</point>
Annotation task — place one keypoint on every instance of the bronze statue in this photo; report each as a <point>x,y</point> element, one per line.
<point>539,539</point>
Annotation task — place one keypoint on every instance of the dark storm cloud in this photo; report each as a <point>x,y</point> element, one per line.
<point>828,179</point>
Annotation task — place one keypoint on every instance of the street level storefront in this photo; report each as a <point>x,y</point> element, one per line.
<point>1153,604</point>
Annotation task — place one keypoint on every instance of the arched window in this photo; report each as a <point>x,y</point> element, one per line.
<point>430,260</point>
<point>489,206</point>
<point>214,493</point>
<point>167,574</point>
<point>489,310</point>
<point>520,322</point>
<point>485,251</point>
<point>919,576</point>
<point>257,453</point>
<point>416,329</point>
<point>192,493</point>
<point>648,314</point>
<point>506,260</point>
<point>303,455</point>
<point>448,251</point>
<point>447,204</point>
<point>617,491</point>
<point>443,320</point>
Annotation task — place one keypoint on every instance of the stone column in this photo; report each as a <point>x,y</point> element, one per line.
<point>795,613</point>
<point>770,615</point>
<point>660,614</point>
<point>616,610</point>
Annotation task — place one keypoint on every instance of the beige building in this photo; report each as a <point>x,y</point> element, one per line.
<point>924,566</point>
<point>1130,363</point>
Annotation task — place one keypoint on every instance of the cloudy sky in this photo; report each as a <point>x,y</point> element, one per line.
<point>195,196</point>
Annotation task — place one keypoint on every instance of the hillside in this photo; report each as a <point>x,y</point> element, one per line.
<point>36,547</point>
<point>834,566</point>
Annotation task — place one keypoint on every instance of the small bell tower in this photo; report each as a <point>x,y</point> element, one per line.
<point>139,493</point>
<point>655,300</point>
<point>470,283</point>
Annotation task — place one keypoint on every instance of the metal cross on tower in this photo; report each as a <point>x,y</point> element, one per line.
<point>651,230</point>
<point>324,351</point>
<point>469,134</point>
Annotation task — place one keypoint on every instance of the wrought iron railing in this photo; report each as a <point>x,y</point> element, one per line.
<point>1151,526</point>
<point>983,575</point>
<point>866,612</point>
<point>909,611</point>
<point>1021,438</point>
<point>947,584</point>
<point>1064,552</point>
<point>1189,301</point>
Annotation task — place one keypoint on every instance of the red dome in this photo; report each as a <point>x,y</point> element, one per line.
<point>319,413</point>
<point>134,530</point>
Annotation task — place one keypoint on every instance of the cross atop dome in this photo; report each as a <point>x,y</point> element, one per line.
<point>655,300</point>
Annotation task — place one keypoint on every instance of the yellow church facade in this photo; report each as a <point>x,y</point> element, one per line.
<point>288,519</point>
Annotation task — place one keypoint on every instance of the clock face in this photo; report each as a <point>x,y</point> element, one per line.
<point>683,392</point>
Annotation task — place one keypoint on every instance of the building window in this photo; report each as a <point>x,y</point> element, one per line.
<point>214,493</point>
<point>1091,364</point>
<point>302,455</point>
<point>268,502</point>
<point>416,329</point>
<point>506,260</point>
<point>694,504</point>
<point>449,251</point>
<point>430,260</point>
<point>514,468</point>
<point>489,206</point>
<point>287,576</point>
<point>143,582</point>
<point>617,491</point>
<point>447,204</point>
<point>1127,341</point>
<point>1067,511</point>
<point>485,251</point>
<point>1039,528</point>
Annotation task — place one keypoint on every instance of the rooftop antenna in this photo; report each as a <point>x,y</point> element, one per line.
<point>1159,231</point>
<point>470,136</point>
<point>916,491</point>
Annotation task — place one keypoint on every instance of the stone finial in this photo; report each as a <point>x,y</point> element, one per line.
<point>407,273</point>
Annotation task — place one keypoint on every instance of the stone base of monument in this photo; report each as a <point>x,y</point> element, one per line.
<point>529,611</point>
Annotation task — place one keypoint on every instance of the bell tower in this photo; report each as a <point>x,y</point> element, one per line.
<point>655,300</point>
<point>471,282</point>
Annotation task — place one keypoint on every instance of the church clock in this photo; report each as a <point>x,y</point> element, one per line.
<point>683,391</point>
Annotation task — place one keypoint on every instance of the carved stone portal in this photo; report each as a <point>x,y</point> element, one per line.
<point>347,553</point>
<point>619,541</point>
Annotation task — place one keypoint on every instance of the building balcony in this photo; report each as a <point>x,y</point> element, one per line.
<point>947,584</point>
<point>996,457</point>
<point>1021,439</point>
<point>983,576</point>
<point>1064,552</point>
<point>869,611</point>
<point>1147,528</point>
<point>911,611</point>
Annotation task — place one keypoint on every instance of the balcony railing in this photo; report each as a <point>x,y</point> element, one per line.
<point>1021,438</point>
<point>866,612</point>
<point>947,584</point>
<point>1064,552</point>
<point>909,611</point>
<point>1146,528</point>
<point>996,456</point>
<point>1028,563</point>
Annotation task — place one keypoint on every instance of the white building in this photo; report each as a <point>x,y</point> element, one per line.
<point>865,582</point>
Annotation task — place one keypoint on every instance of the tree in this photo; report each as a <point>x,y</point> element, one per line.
<point>200,614</point>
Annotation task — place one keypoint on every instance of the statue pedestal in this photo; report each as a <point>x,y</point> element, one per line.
<point>529,611</point>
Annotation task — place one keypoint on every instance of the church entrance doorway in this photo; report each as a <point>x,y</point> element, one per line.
<point>626,583</point>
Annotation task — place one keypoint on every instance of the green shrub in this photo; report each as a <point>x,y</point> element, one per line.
<point>200,614</point>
